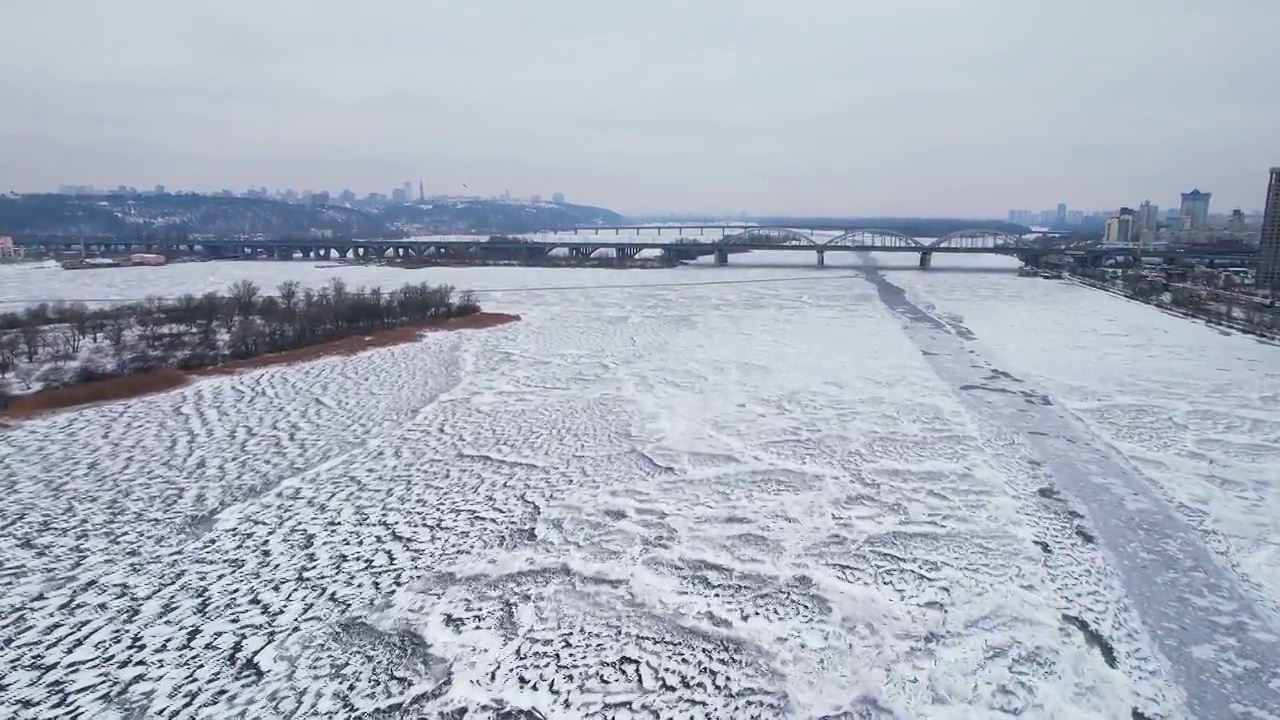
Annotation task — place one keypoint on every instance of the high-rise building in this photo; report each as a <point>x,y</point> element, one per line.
<point>9,251</point>
<point>1148,216</point>
<point>1268,271</point>
<point>1195,207</point>
<point>1120,227</point>
<point>557,198</point>
<point>399,196</point>
<point>1060,216</point>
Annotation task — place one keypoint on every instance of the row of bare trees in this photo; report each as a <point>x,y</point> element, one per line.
<point>66,344</point>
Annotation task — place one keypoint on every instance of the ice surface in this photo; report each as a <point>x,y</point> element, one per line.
<point>801,493</point>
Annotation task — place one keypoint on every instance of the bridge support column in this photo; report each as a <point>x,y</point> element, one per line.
<point>722,257</point>
<point>822,258</point>
<point>926,260</point>
<point>624,255</point>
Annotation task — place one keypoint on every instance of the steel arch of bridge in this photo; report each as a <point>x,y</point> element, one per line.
<point>873,237</point>
<point>768,236</point>
<point>980,239</point>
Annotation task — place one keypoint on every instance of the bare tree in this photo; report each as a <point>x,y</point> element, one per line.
<point>289,293</point>
<point>77,317</point>
<point>183,311</point>
<point>10,346</point>
<point>246,339</point>
<point>37,315</point>
<point>97,325</point>
<point>208,310</point>
<point>150,318</point>
<point>32,341</point>
<point>116,331</point>
<point>71,341</point>
<point>468,303</point>
<point>244,297</point>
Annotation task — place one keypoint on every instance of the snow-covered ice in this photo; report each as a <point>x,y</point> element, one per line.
<point>758,491</point>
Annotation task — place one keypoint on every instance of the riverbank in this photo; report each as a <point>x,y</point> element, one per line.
<point>1208,317</point>
<point>44,402</point>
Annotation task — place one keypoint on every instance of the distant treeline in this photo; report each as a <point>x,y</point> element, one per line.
<point>67,344</point>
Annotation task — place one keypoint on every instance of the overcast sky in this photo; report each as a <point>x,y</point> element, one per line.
<point>860,107</point>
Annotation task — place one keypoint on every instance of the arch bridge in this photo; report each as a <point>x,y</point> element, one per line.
<point>981,239</point>
<point>873,238</point>
<point>769,236</point>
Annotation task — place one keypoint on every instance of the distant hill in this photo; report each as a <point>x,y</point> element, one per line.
<point>497,216</point>
<point>181,215</point>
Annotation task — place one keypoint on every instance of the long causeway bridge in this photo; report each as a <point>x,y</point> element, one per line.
<point>674,243</point>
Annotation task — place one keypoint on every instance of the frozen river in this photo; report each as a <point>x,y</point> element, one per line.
<point>753,491</point>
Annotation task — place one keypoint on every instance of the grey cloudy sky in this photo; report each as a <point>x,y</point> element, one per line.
<point>860,107</point>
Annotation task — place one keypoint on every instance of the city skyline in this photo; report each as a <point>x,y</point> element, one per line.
<point>402,192</point>
<point>946,110</point>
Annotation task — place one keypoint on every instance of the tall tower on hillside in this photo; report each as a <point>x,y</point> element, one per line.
<point>422,196</point>
<point>1268,273</point>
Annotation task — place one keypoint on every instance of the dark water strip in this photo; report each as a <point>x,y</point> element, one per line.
<point>1223,651</point>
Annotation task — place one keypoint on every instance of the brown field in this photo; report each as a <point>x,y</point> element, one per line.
<point>132,386</point>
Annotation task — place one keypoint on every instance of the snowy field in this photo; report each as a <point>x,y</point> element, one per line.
<point>765,490</point>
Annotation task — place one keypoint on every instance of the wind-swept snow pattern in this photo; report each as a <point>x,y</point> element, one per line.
<point>775,498</point>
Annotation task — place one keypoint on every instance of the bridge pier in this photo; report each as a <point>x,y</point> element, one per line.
<point>926,260</point>
<point>624,255</point>
<point>822,258</point>
<point>722,256</point>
